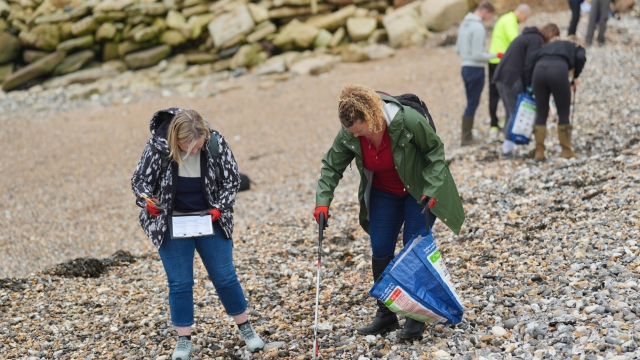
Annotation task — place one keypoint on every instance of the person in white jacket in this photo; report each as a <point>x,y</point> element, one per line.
<point>471,48</point>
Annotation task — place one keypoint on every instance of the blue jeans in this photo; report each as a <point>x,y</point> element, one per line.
<point>216,253</point>
<point>473,78</point>
<point>387,213</point>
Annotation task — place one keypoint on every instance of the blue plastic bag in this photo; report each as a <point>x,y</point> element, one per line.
<point>417,284</point>
<point>523,119</point>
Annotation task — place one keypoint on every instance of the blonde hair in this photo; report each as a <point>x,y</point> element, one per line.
<point>187,126</point>
<point>361,103</point>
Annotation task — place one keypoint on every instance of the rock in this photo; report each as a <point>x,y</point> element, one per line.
<point>261,31</point>
<point>440,15</point>
<point>110,51</point>
<point>52,18</point>
<point>146,34</point>
<point>30,56</point>
<point>274,345</point>
<point>248,55</point>
<point>334,20</point>
<point>175,20</point>
<point>196,24</point>
<point>65,31</point>
<point>354,53</point>
<point>230,25</point>
<point>9,47</point>
<point>112,5</point>
<point>378,51</point>
<point>296,11</point>
<point>590,309</point>
<point>313,66</point>
<point>258,12</point>
<point>111,16</point>
<point>195,10</point>
<point>404,27</point>
<point>146,58</point>
<point>371,339</point>
<point>172,37</point>
<point>323,39</point>
<point>498,331</point>
<point>378,36</point>
<point>276,66</point>
<point>441,354</point>
<point>84,27</point>
<point>297,34</point>
<point>127,47</point>
<point>360,28</point>
<point>39,68</point>
<point>202,58</point>
<point>76,43</point>
<point>5,71</point>
<point>106,31</point>
<point>43,37</point>
<point>74,62</point>
<point>325,328</point>
<point>337,37</point>
<point>510,323</point>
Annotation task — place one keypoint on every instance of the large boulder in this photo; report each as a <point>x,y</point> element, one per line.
<point>39,68</point>
<point>9,47</point>
<point>74,62</point>
<point>43,37</point>
<point>230,25</point>
<point>440,15</point>
<point>360,28</point>
<point>146,58</point>
<point>334,20</point>
<point>296,33</point>
<point>404,26</point>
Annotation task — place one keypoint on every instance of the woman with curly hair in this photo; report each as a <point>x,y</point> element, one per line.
<point>402,169</point>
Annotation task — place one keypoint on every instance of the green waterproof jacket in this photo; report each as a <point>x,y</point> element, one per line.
<point>418,155</point>
<point>505,30</point>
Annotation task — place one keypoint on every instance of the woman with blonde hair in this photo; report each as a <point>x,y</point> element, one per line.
<point>402,169</point>
<point>188,169</point>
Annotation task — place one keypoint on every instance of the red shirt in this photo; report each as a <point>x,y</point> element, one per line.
<point>380,162</point>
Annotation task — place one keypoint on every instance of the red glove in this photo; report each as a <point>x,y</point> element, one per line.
<point>319,209</point>
<point>427,201</point>
<point>500,55</point>
<point>215,214</point>
<point>152,208</point>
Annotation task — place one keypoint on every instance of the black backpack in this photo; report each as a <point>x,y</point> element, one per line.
<point>414,102</point>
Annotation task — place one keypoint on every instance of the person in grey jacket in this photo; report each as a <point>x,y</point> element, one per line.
<point>471,48</point>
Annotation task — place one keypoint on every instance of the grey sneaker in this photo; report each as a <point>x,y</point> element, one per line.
<point>183,349</point>
<point>250,337</point>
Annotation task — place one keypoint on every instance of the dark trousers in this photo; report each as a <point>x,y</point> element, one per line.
<point>599,14</point>
<point>552,77</point>
<point>473,78</point>
<point>494,97</point>
<point>575,16</point>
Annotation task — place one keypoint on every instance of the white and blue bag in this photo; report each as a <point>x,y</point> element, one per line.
<point>523,119</point>
<point>417,284</point>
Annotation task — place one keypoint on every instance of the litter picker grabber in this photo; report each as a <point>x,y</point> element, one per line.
<point>573,104</point>
<point>322,225</point>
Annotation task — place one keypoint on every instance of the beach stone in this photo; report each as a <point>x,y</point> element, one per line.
<point>175,20</point>
<point>314,65</point>
<point>74,62</point>
<point>248,55</point>
<point>261,31</point>
<point>498,331</point>
<point>360,28</point>
<point>52,18</point>
<point>323,39</point>
<point>404,27</point>
<point>127,47</point>
<point>354,53</point>
<point>39,68</point>
<point>258,12</point>
<point>146,34</point>
<point>172,37</point>
<point>146,58</point>
<point>112,5</point>
<point>440,15</point>
<point>201,58</point>
<point>296,33</point>
<point>378,36</point>
<point>510,323</point>
<point>111,16</point>
<point>5,71</point>
<point>297,11</point>
<point>9,47</point>
<point>30,56</point>
<point>85,26</point>
<point>231,24</point>
<point>338,36</point>
<point>110,51</point>
<point>196,24</point>
<point>378,51</point>
<point>43,37</point>
<point>106,31</point>
<point>82,42</point>
<point>334,20</point>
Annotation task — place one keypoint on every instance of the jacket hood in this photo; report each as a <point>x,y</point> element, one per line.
<point>531,30</point>
<point>159,127</point>
<point>471,17</point>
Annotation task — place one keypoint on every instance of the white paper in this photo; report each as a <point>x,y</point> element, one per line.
<point>190,226</point>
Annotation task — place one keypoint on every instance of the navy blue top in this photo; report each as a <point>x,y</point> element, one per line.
<point>189,195</point>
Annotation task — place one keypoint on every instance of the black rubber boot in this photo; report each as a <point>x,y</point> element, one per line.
<point>412,329</point>
<point>385,319</point>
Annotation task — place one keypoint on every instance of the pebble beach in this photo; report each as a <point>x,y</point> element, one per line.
<point>547,264</point>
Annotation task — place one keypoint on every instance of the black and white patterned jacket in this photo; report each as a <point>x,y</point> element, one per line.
<point>220,178</point>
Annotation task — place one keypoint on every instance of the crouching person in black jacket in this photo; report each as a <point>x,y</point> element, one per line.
<point>547,72</point>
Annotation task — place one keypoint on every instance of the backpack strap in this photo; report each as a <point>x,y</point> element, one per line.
<point>213,145</point>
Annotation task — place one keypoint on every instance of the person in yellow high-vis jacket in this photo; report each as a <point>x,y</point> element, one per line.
<point>505,30</point>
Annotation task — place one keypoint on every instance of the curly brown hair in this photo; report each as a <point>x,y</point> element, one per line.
<point>361,103</point>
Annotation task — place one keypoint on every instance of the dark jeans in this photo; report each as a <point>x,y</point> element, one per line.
<point>216,253</point>
<point>599,9</point>
<point>509,97</point>
<point>552,77</point>
<point>473,78</point>
<point>575,16</point>
<point>387,213</point>
<point>494,97</point>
